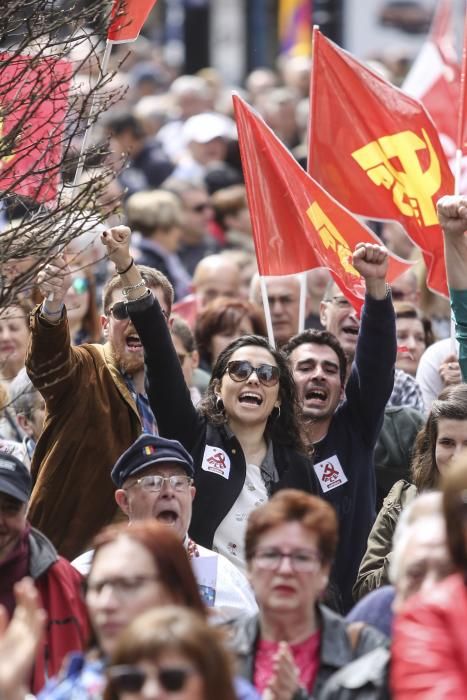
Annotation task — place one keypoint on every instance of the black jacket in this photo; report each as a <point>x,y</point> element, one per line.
<point>335,652</point>
<point>177,419</point>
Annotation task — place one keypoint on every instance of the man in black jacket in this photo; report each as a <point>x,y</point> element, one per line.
<point>343,420</point>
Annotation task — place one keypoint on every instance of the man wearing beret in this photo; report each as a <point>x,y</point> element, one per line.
<point>154,479</point>
<point>25,551</point>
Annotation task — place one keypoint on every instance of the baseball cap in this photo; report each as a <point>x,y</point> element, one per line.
<point>146,451</point>
<point>207,126</point>
<point>15,479</point>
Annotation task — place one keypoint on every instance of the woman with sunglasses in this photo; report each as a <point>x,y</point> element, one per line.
<point>243,436</point>
<point>170,653</point>
<point>295,643</point>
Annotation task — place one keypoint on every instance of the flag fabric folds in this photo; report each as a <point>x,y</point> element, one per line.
<point>434,76</point>
<point>297,226</point>
<point>34,100</point>
<point>462,117</point>
<point>295,25</point>
<point>127,18</point>
<point>376,150</point>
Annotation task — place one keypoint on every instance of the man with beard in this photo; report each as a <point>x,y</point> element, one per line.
<point>95,408</point>
<point>341,421</point>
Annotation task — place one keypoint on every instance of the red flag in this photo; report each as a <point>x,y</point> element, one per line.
<point>34,98</point>
<point>187,308</point>
<point>297,226</point>
<point>127,18</point>
<point>377,151</point>
<point>434,77</point>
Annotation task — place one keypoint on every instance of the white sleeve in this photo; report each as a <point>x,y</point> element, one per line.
<point>234,596</point>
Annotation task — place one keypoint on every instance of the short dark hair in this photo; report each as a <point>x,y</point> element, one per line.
<point>317,337</point>
<point>292,505</point>
<point>118,121</point>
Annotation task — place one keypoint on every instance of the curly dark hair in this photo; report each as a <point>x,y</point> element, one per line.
<point>452,404</point>
<point>283,428</point>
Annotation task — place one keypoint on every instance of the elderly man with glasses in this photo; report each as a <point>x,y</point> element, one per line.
<point>154,479</point>
<point>96,407</point>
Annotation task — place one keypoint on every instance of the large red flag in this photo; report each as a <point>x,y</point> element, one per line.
<point>33,98</point>
<point>297,226</point>
<point>377,151</point>
<point>127,19</point>
<point>462,116</point>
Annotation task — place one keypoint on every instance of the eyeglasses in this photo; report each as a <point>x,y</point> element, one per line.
<point>80,285</point>
<point>131,679</point>
<point>340,302</point>
<point>119,310</point>
<point>240,370</point>
<point>300,560</point>
<point>199,208</point>
<point>154,483</point>
<point>121,586</point>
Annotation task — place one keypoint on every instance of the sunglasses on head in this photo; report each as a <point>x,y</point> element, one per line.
<point>240,370</point>
<point>131,679</point>
<point>119,311</point>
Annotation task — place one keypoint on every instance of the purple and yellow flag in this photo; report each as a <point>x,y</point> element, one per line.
<point>295,27</point>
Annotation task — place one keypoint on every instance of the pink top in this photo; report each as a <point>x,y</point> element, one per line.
<point>305,654</point>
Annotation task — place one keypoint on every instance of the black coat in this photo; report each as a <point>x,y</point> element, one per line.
<point>177,419</point>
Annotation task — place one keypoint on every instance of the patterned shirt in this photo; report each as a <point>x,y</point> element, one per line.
<point>148,422</point>
<point>406,392</point>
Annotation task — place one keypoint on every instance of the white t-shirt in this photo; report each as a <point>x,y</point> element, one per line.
<point>229,538</point>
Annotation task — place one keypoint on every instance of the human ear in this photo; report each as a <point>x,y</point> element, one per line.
<point>122,500</point>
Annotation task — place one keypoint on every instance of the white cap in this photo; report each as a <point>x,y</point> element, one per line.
<point>207,126</point>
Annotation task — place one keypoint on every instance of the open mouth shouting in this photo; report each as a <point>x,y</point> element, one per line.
<point>250,398</point>
<point>167,515</point>
<point>316,396</point>
<point>133,343</point>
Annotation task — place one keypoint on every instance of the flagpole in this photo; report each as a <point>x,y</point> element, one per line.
<point>89,124</point>
<point>267,310</point>
<point>462,115</point>
<point>302,304</point>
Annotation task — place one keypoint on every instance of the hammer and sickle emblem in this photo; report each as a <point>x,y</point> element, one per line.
<point>331,237</point>
<point>412,187</point>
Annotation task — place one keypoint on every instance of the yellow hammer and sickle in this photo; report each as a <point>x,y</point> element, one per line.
<point>4,159</point>
<point>331,237</point>
<point>412,188</point>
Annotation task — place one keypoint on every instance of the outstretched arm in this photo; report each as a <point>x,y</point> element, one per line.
<point>168,393</point>
<point>452,213</point>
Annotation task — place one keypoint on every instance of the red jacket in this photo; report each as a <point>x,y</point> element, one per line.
<point>67,626</point>
<point>429,649</point>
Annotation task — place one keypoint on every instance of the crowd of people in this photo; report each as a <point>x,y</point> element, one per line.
<point>191,509</point>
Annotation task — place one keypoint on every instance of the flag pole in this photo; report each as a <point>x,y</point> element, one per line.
<point>462,115</point>
<point>89,124</point>
<point>302,302</point>
<point>267,310</point>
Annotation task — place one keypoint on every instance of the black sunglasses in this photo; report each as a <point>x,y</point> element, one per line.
<point>131,679</point>
<point>240,370</point>
<point>119,311</point>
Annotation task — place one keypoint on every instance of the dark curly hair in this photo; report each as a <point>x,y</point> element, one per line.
<point>451,404</point>
<point>282,428</point>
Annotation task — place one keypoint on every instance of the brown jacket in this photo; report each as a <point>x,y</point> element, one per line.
<point>374,568</point>
<point>90,420</point>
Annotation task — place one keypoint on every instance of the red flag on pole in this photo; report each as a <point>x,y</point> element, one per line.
<point>297,226</point>
<point>462,117</point>
<point>127,18</point>
<point>34,98</point>
<point>434,77</point>
<point>377,151</point>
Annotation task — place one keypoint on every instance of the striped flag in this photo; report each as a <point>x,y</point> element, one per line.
<point>295,27</point>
